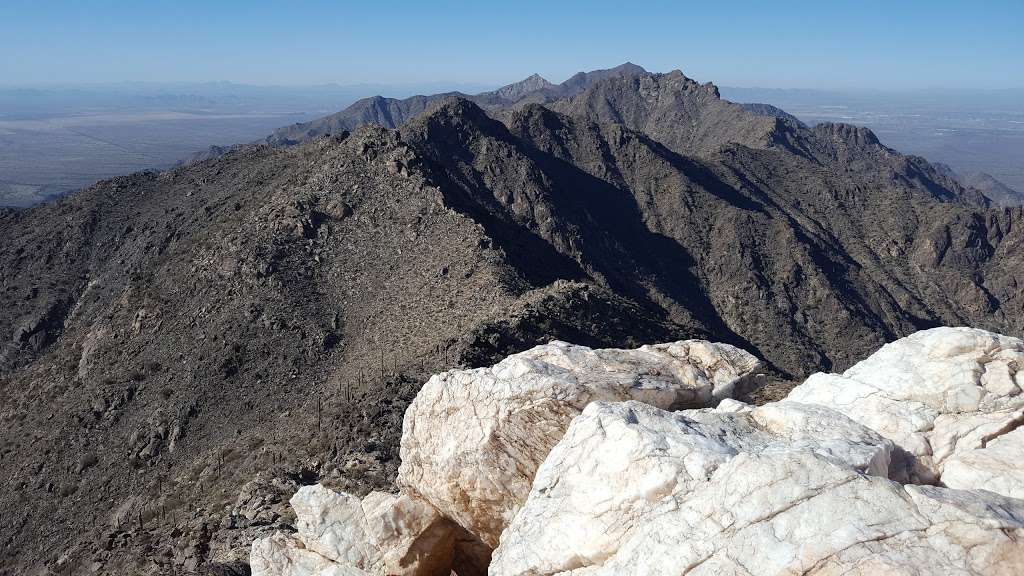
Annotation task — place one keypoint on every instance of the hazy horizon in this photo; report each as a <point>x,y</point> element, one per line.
<point>93,89</point>
<point>476,86</point>
<point>910,45</point>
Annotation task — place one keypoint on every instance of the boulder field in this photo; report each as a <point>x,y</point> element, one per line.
<point>563,460</point>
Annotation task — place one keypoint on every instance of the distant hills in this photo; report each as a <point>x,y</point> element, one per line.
<point>999,193</point>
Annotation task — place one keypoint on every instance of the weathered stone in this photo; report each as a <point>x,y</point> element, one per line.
<point>635,490</point>
<point>284,555</point>
<point>620,463</point>
<point>614,484</point>
<point>382,534</point>
<point>950,398</point>
<point>473,439</point>
<point>412,536</point>
<point>333,524</point>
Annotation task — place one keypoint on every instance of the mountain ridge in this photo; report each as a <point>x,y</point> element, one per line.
<point>392,113</point>
<point>174,335</point>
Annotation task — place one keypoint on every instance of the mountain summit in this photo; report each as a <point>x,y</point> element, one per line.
<point>184,349</point>
<point>517,90</point>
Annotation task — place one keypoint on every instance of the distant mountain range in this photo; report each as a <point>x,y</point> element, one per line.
<point>392,112</point>
<point>269,311</point>
<point>999,193</point>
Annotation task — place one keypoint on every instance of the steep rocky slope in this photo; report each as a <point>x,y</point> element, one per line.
<point>165,333</point>
<point>175,342</point>
<point>789,255</point>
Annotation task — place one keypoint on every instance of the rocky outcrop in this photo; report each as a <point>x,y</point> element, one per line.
<point>473,439</point>
<point>282,553</point>
<point>341,534</point>
<point>950,398</point>
<point>618,483</point>
<point>622,465</point>
<point>773,490</point>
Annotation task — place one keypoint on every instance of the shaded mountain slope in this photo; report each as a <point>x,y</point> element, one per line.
<point>990,186</point>
<point>693,120</point>
<point>993,188</point>
<point>765,248</point>
<point>166,332</point>
<point>678,112</point>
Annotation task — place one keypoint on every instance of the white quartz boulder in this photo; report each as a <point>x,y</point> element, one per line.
<point>285,555</point>
<point>782,489</point>
<point>414,540</point>
<point>621,463</point>
<point>473,439</point>
<point>950,398</point>
<point>339,534</point>
<point>333,524</point>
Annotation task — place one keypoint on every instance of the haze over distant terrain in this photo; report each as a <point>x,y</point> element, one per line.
<point>971,130</point>
<point>59,138</point>
<point>54,139</point>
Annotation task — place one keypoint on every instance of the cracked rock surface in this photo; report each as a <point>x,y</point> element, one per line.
<point>340,534</point>
<point>473,439</point>
<point>627,471</point>
<point>950,398</point>
<point>781,489</point>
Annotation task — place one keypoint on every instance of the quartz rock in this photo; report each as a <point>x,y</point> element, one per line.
<point>413,538</point>
<point>950,398</point>
<point>285,555</point>
<point>333,524</point>
<point>340,534</point>
<point>773,490</point>
<point>473,439</point>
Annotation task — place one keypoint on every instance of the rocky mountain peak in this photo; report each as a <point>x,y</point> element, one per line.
<point>517,90</point>
<point>450,124</point>
<point>676,80</point>
<point>627,68</point>
<point>453,111</point>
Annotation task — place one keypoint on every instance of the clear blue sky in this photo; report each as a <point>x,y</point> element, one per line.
<point>896,44</point>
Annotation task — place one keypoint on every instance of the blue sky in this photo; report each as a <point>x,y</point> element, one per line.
<point>893,44</point>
